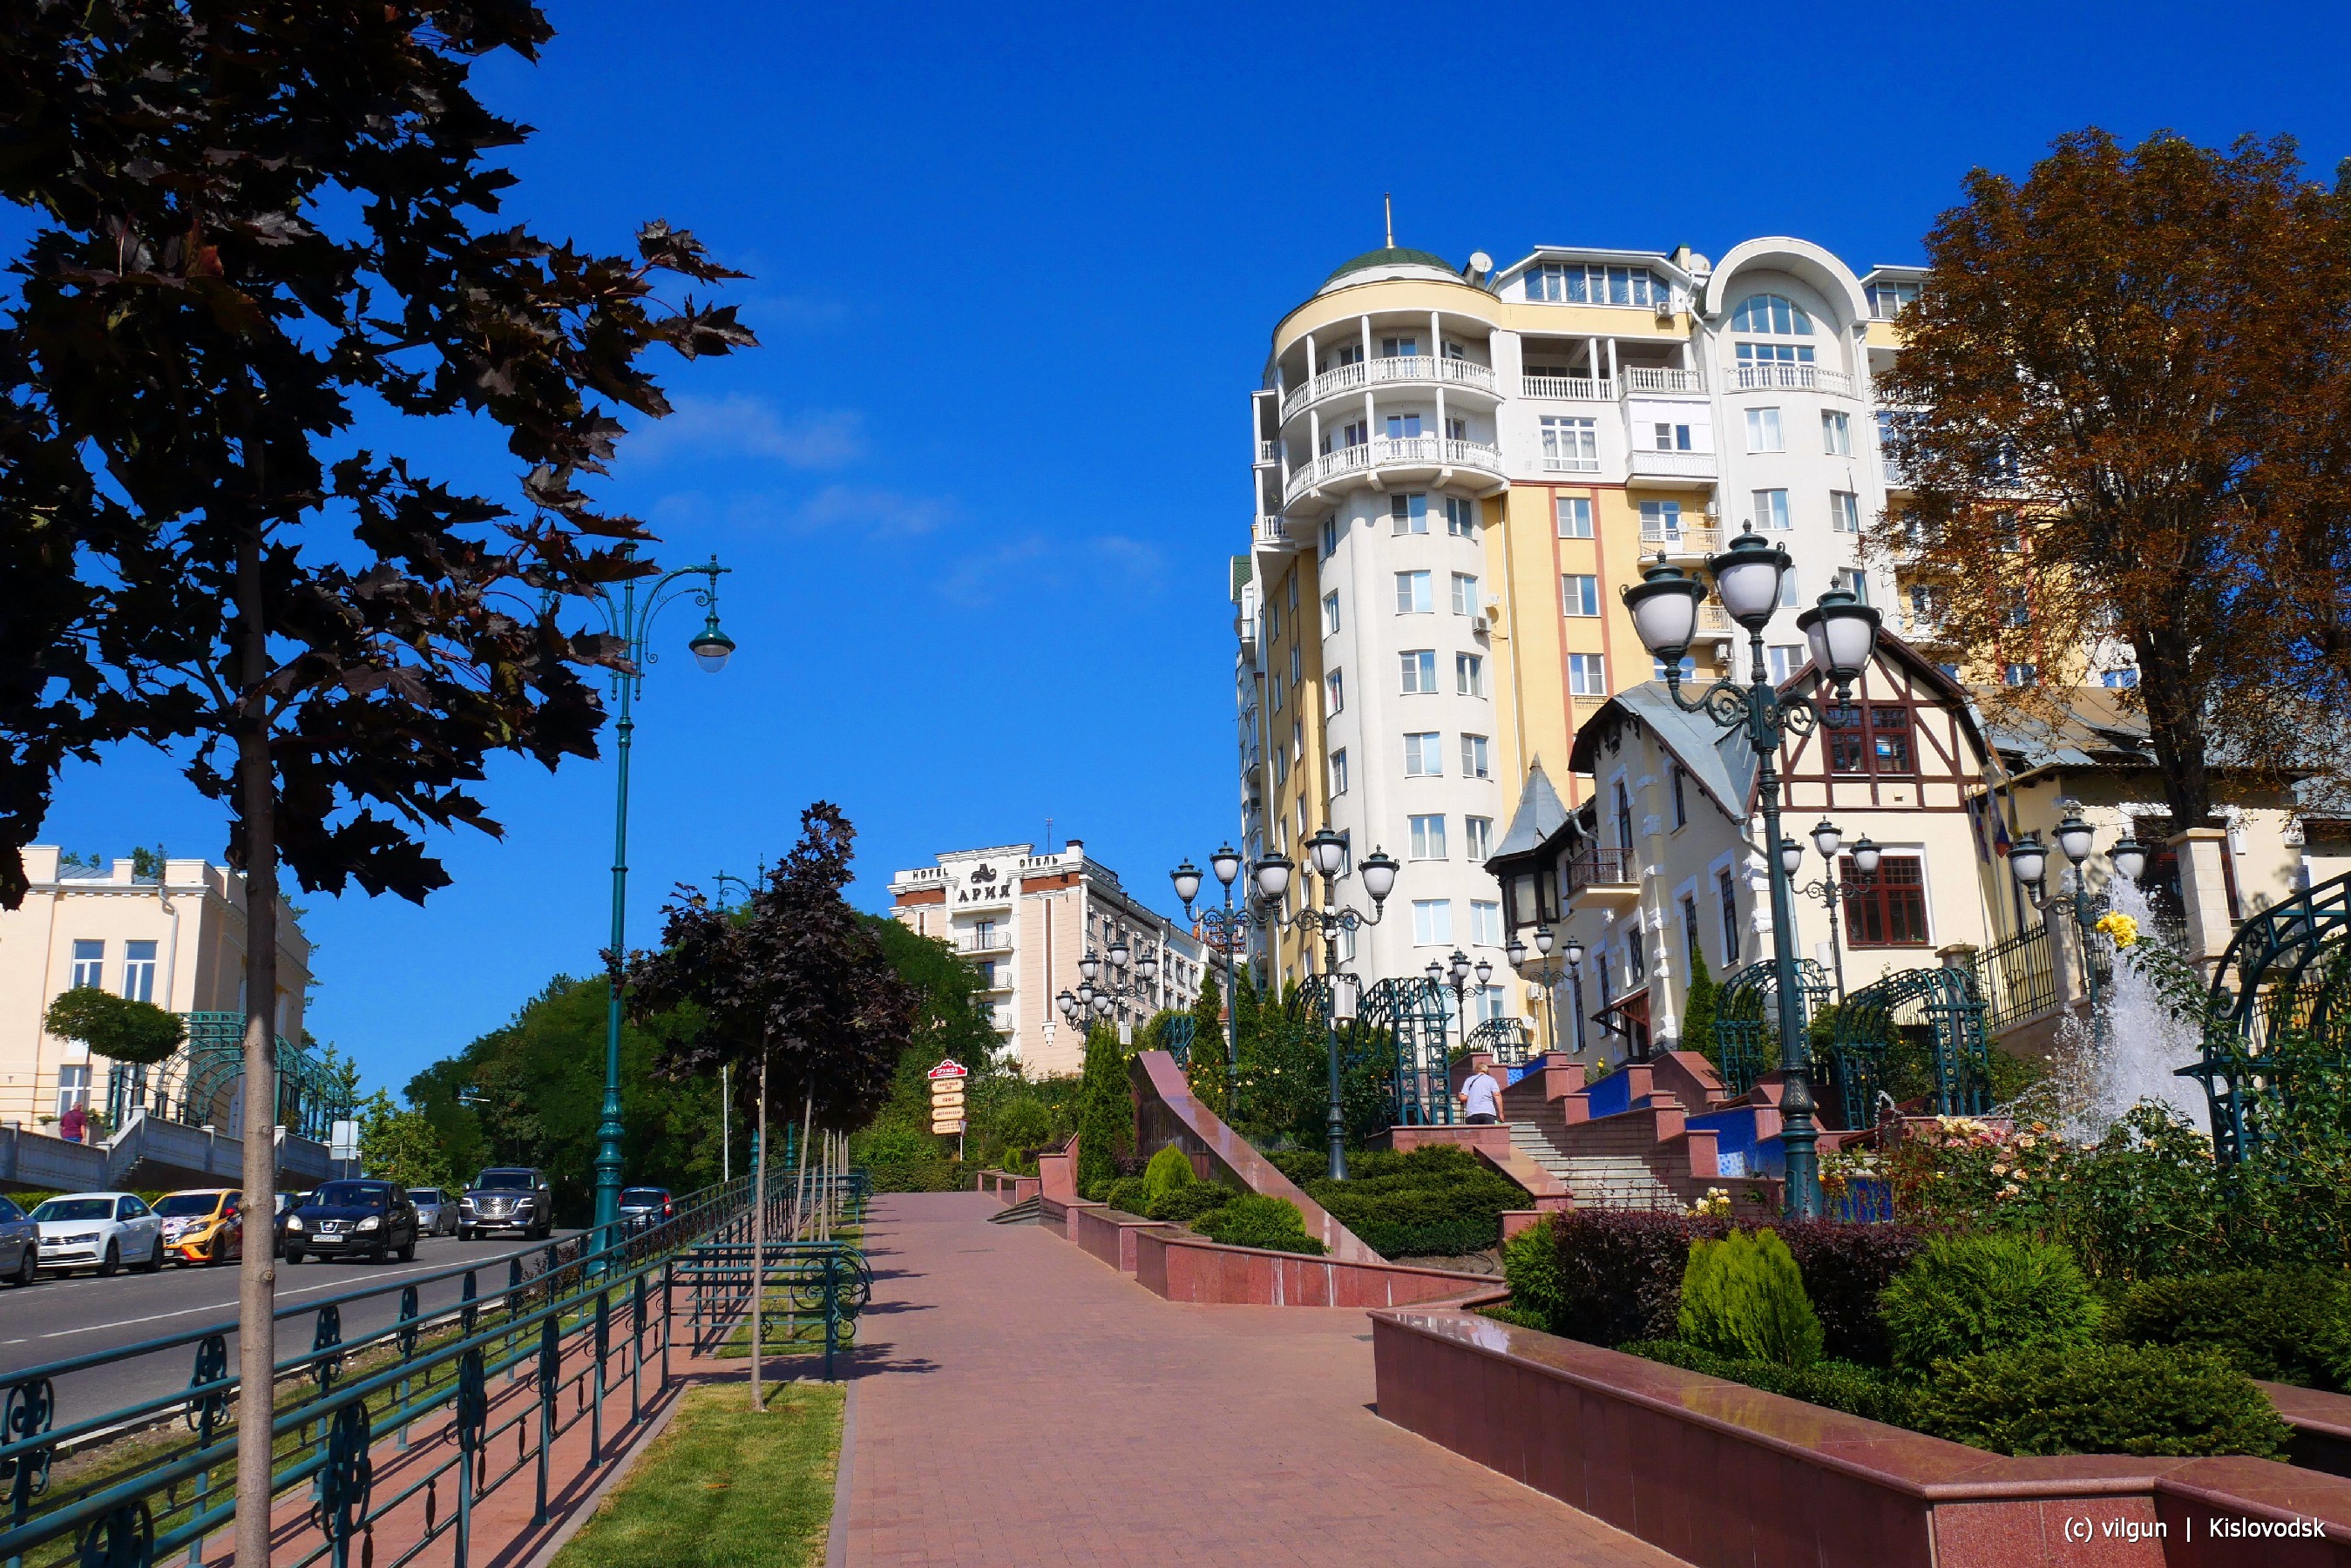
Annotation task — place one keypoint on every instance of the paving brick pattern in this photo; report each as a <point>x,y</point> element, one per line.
<point>1019,1403</point>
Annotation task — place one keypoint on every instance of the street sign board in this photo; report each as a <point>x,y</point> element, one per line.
<point>343,1141</point>
<point>951,1127</point>
<point>949,1067</point>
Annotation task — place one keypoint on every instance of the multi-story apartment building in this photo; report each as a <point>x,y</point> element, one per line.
<point>1455,471</point>
<point>173,935</point>
<point>1027,919</point>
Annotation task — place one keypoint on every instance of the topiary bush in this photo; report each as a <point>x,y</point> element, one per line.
<point>2288,1326</point>
<point>1254,1220</point>
<point>1869,1392</point>
<point>1168,1169</point>
<point>1438,1201</point>
<point>1185,1204</point>
<point>1530,1268</point>
<point>2101,1399</point>
<point>1846,1268</point>
<point>1743,1298</point>
<point>1126,1195</point>
<point>1965,1295</point>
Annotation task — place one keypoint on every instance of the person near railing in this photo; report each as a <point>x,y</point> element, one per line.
<point>1480,1104</point>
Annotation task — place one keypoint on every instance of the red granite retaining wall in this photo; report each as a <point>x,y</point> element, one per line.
<point>1010,1187</point>
<point>1187,1268</point>
<point>1108,1234</point>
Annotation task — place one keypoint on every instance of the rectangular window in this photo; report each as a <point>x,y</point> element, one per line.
<point>1404,427</point>
<point>1399,348</point>
<point>1571,445</point>
<point>1423,755</point>
<point>1330,536</point>
<point>1636,960</point>
<point>1274,701</point>
<point>1688,671</point>
<point>1836,433</point>
<point>1845,512</point>
<point>1432,923</point>
<point>1419,666</point>
<point>1464,594</point>
<point>2019,675</point>
<point>1726,892</point>
<point>73,1087</point>
<point>1577,284</point>
<point>1456,430</point>
<point>88,963</point>
<point>1469,675</point>
<point>1579,596</point>
<point>1408,513</point>
<point>1787,660</point>
<point>1681,802</point>
<point>1771,509</point>
<point>1661,521</point>
<point>1478,838</point>
<point>1587,675</point>
<point>1354,432</point>
<point>1331,612</point>
<point>1334,693</point>
<point>1293,592</point>
<point>1574,513</point>
<point>1691,956</point>
<point>1413,594</point>
<point>1296,668</point>
<point>1485,923</point>
<point>1887,299</point>
<point>1764,433</point>
<point>1461,516</point>
<point>2119,680</point>
<point>1875,738</point>
<point>1664,437</point>
<point>139,971</point>
<point>1473,758</point>
<point>1855,581</point>
<point>1428,838</point>
<point>1887,908</point>
<point>1280,767</point>
<point>1338,771</point>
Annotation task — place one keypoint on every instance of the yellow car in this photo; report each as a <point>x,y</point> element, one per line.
<point>204,1225</point>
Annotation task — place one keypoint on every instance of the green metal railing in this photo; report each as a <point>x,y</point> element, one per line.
<point>574,1326</point>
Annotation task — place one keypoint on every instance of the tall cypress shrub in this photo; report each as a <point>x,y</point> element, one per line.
<point>1105,1110</point>
<point>1699,1010</point>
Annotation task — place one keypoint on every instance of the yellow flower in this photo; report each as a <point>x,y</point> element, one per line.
<point>2026,1141</point>
<point>2120,927</point>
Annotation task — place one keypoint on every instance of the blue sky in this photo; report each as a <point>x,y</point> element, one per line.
<point>1014,271</point>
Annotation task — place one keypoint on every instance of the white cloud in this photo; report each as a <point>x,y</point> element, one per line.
<point>741,425</point>
<point>1032,562</point>
<point>838,509</point>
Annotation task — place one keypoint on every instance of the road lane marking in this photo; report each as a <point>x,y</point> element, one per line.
<point>215,1306</point>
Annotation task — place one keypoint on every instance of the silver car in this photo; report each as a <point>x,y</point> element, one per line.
<point>20,1245</point>
<point>435,1214</point>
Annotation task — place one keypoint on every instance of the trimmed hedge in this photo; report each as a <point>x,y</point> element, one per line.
<point>1441,1200</point>
<point>1254,1220</point>
<point>1127,1195</point>
<point>1168,1169</point>
<point>1742,1298</point>
<point>1966,1295</point>
<point>2287,1325</point>
<point>1188,1203</point>
<point>1530,1268</point>
<point>1869,1392</point>
<point>2149,1400</point>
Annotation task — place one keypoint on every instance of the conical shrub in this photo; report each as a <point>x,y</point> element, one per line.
<point>1743,1297</point>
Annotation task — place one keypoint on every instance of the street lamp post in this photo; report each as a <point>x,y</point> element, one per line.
<point>1226,931</point>
<point>1549,971</point>
<point>2028,861</point>
<point>1453,974</point>
<point>630,619</point>
<point>1830,890</point>
<point>1326,855</point>
<point>1843,635</point>
<point>1102,989</point>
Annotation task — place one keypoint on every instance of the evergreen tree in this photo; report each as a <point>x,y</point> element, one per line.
<point>1698,1009</point>
<point>1105,1110</point>
<point>1209,1070</point>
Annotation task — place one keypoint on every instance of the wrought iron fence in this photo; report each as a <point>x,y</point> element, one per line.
<point>2017,976</point>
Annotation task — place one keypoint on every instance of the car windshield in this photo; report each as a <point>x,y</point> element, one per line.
<point>351,1195</point>
<point>424,1195</point>
<point>643,1196</point>
<point>186,1205</point>
<point>74,1209</point>
<point>505,1179</point>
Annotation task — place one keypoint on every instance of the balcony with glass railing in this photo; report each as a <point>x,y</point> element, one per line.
<point>1342,465</point>
<point>1393,371</point>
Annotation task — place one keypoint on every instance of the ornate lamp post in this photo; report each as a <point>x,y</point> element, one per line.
<point>1225,931</point>
<point>2028,862</point>
<point>1453,974</point>
<point>1103,987</point>
<point>1830,890</point>
<point>1843,634</point>
<point>1326,854</point>
<point>630,619</point>
<point>1549,971</point>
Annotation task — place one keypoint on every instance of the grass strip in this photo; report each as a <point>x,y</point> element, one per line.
<point>725,1487</point>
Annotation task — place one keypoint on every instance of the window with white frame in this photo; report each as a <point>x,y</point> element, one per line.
<point>1478,838</point>
<point>1339,771</point>
<point>1836,433</point>
<point>1330,536</point>
<point>1293,591</point>
<point>1661,521</point>
<point>1855,581</point>
<point>1334,693</point>
<point>1428,837</point>
<point>1587,675</point>
<point>1404,427</point>
<point>1579,594</point>
<point>1788,599</point>
<point>1419,666</point>
<point>1667,437</point>
<point>1273,699</point>
<point>1423,755</point>
<point>1787,659</point>
<point>1687,670</point>
<point>1772,509</point>
<point>1399,348</point>
<point>139,971</point>
<point>1677,782</point>
<point>1726,893</point>
<point>1485,923</point>
<point>1408,513</point>
<point>1845,512</point>
<point>73,1086</point>
<point>1280,767</point>
<point>1296,666</point>
<point>1413,594</point>
<point>1469,675</point>
<point>1331,612</point>
<point>1574,515</point>
<point>1464,594</point>
<point>1772,314</point>
<point>1571,445</point>
<point>1763,432</point>
<point>1887,299</point>
<point>1432,923</point>
<point>1574,285</point>
<point>88,962</point>
<point>2019,674</point>
<point>1474,763</point>
<point>1461,516</point>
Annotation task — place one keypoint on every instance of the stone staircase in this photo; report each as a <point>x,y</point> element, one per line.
<point>1597,1181</point>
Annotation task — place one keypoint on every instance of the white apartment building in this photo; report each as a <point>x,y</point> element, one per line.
<point>1456,469</point>
<point>1026,920</point>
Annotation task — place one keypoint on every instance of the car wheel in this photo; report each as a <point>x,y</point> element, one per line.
<point>154,1263</point>
<point>110,1262</point>
<point>293,1255</point>
<point>408,1253</point>
<point>464,1233</point>
<point>28,1266</point>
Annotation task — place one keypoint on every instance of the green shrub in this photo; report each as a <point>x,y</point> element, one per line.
<point>1188,1203</point>
<point>1125,1195</point>
<point>2101,1399</point>
<point>1845,1268</point>
<point>1965,1295</point>
<point>1439,1201</point>
<point>1170,1168</point>
<point>1531,1266</point>
<point>1254,1220</point>
<point>2288,1326</point>
<point>1869,1392</point>
<point>1743,1298</point>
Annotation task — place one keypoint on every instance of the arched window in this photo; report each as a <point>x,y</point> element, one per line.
<point>1773,312</point>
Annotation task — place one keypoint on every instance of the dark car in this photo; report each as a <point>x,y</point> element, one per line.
<point>20,1245</point>
<point>508,1198</point>
<point>642,1207</point>
<point>353,1219</point>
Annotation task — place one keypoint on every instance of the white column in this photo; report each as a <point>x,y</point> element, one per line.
<point>1612,359</point>
<point>1591,358</point>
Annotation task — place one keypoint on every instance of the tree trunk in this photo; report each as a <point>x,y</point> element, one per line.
<point>799,1175</point>
<point>759,1242</point>
<point>2175,728</point>
<point>256,1293</point>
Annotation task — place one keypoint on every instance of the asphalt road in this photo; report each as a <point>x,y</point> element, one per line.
<point>69,1315</point>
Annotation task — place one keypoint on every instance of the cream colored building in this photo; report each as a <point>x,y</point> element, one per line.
<point>176,940</point>
<point>1026,920</point>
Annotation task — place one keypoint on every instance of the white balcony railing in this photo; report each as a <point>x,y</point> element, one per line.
<point>1269,452</point>
<point>1713,620</point>
<point>1642,378</point>
<point>1671,465</point>
<point>1399,369</point>
<point>1270,532</point>
<point>1407,452</point>
<point>1894,478</point>
<point>1687,540</point>
<point>1755,376</point>
<point>1577,389</point>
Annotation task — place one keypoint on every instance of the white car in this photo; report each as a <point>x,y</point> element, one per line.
<point>101,1230</point>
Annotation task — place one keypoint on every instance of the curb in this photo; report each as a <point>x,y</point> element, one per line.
<point>836,1541</point>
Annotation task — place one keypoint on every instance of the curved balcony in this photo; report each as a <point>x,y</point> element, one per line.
<point>1375,460</point>
<point>1398,371</point>
<point>1781,375</point>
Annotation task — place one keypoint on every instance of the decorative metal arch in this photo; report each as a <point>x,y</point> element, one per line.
<point>188,1084</point>
<point>1504,1038</point>
<point>1402,1025</point>
<point>1943,1005</point>
<point>1747,1019</point>
<point>1175,1037</point>
<point>2277,1026</point>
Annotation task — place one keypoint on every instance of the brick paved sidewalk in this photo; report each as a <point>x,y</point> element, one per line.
<point>1018,1403</point>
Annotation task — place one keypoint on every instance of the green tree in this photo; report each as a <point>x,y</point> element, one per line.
<point>1208,1069</point>
<point>1699,1010</point>
<point>1105,1109</point>
<point>115,1026</point>
<point>401,1146</point>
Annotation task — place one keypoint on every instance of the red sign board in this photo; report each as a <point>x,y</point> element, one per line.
<point>949,1067</point>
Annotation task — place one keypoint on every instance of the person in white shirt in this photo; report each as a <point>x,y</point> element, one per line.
<point>1479,1105</point>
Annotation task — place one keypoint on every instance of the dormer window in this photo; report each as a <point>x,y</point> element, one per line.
<point>1887,300</point>
<point>1574,285</point>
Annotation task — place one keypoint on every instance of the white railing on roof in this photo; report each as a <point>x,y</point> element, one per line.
<point>1579,389</point>
<point>1765,375</point>
<point>1396,369</point>
<point>1645,379</point>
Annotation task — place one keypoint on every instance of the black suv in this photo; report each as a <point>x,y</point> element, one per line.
<point>363,1219</point>
<point>508,1198</point>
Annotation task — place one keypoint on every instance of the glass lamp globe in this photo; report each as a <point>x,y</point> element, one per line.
<point>1102,1006</point>
<point>1865,855</point>
<point>1543,940</point>
<point>1746,578</point>
<point>1118,954</point>
<point>1663,607</point>
<point>711,647</point>
<point>2028,860</point>
<point>2075,838</point>
<point>1516,953</point>
<point>1273,877</point>
<point>1226,863</point>
<point>1485,971</point>
<point>1572,953</point>
<point>1089,966</point>
<point>1791,857</point>
<point>1458,964</point>
<point>1146,964</point>
<point>1326,851</point>
<point>2129,856</point>
<point>1379,871</point>
<point>1843,635</point>
<point>1436,972</point>
<point>1826,838</point>
<point>1186,879</point>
